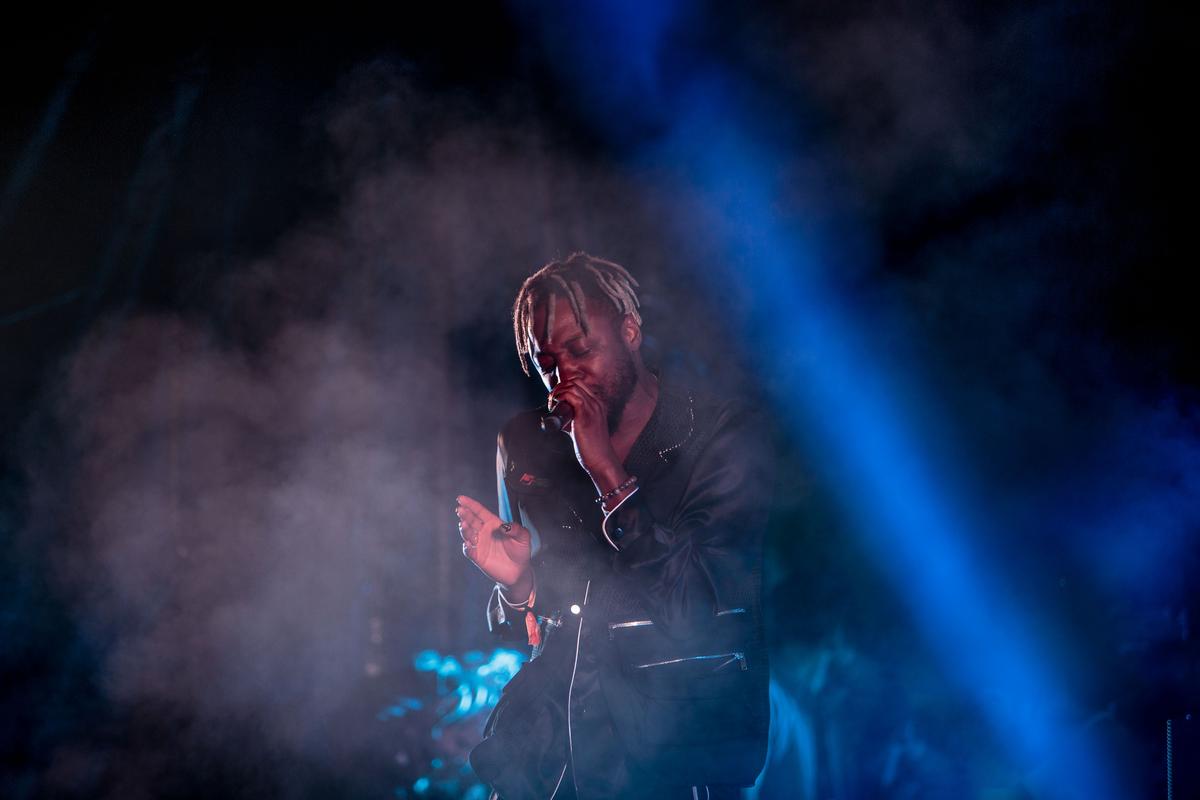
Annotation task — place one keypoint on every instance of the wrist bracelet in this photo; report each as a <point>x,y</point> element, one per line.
<point>529,601</point>
<point>630,481</point>
<point>533,631</point>
<point>607,511</point>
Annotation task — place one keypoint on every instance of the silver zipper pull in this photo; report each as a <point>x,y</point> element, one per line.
<point>738,657</point>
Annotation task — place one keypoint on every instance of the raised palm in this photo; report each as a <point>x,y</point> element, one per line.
<point>500,550</point>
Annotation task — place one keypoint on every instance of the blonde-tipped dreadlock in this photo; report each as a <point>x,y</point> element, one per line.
<point>576,277</point>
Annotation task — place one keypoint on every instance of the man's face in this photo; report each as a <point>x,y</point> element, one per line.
<point>601,359</point>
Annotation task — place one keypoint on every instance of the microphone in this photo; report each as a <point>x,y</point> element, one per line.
<point>557,419</point>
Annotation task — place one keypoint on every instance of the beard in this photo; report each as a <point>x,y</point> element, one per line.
<point>620,390</point>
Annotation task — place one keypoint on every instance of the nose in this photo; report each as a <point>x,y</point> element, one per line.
<point>566,371</point>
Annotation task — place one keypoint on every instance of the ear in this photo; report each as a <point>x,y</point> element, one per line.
<point>631,333</point>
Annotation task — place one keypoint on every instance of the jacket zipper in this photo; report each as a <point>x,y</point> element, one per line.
<point>633,623</point>
<point>570,691</point>
<point>638,623</point>
<point>729,659</point>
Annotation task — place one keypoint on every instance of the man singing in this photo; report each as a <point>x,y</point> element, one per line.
<point>627,552</point>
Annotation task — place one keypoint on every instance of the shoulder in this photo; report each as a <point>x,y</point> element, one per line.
<point>731,428</point>
<point>522,439</point>
<point>715,411</point>
<point>521,431</point>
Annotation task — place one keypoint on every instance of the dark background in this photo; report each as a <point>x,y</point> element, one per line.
<point>255,279</point>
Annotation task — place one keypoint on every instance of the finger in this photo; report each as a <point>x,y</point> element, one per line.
<point>519,536</point>
<point>466,501</point>
<point>586,391</point>
<point>559,388</point>
<point>576,385</point>
<point>574,393</point>
<point>477,545</point>
<point>566,386</point>
<point>473,513</point>
<point>585,407</point>
<point>468,526</point>
<point>471,517</point>
<point>510,530</point>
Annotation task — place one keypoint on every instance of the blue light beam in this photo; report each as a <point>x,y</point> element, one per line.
<point>903,505</point>
<point>878,453</point>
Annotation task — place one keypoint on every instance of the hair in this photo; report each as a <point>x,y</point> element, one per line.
<point>576,277</point>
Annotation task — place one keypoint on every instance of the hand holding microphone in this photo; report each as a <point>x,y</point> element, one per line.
<point>556,420</point>
<point>584,412</point>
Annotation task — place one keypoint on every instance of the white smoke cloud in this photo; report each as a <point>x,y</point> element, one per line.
<point>244,487</point>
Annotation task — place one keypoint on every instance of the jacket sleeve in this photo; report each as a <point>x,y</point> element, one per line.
<point>707,556</point>
<point>503,620</point>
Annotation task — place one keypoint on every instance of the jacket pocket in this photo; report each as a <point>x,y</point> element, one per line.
<point>710,664</point>
<point>698,719</point>
<point>694,677</point>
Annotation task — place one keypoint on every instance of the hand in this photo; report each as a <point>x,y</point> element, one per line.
<point>499,549</point>
<point>588,429</point>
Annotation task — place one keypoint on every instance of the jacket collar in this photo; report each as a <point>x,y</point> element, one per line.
<point>672,425</point>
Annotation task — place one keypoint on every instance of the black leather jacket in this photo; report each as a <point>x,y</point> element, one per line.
<point>652,671</point>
